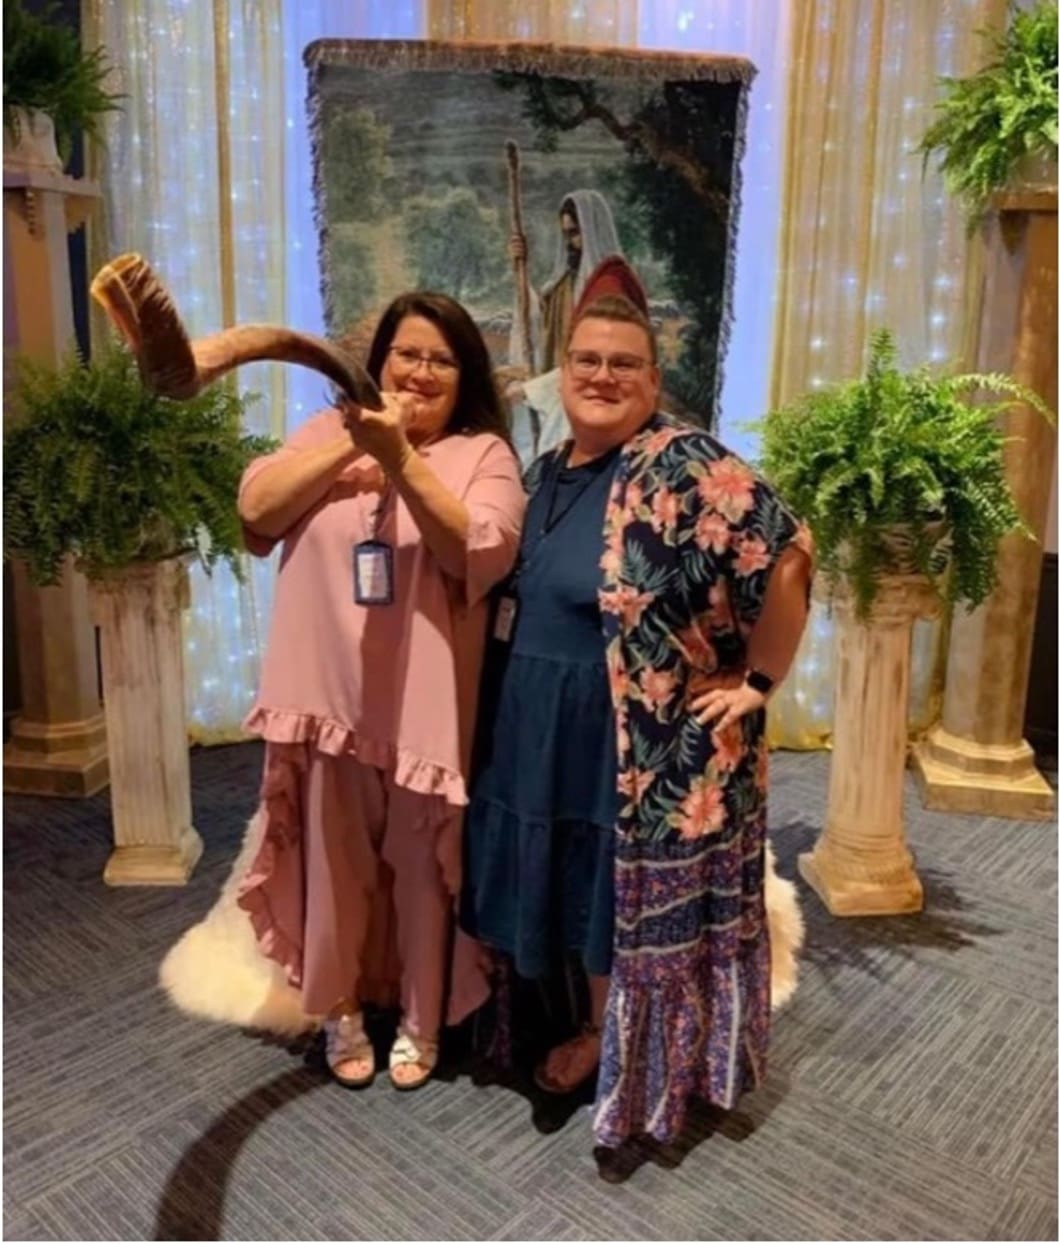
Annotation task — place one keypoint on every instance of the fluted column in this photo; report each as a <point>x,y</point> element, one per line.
<point>138,611</point>
<point>861,865</point>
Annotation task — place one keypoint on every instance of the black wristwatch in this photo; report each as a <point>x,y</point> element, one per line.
<point>758,681</point>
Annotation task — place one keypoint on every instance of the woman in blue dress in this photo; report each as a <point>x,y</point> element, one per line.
<point>618,812</point>
<point>541,828</point>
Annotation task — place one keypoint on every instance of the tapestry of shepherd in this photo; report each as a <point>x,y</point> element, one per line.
<point>506,190</point>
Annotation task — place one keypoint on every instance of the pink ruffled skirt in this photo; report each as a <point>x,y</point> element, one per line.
<point>353,888</point>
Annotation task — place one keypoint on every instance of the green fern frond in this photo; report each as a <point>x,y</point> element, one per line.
<point>98,467</point>
<point>987,122</point>
<point>900,448</point>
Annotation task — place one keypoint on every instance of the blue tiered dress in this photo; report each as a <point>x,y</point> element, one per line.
<point>539,836</point>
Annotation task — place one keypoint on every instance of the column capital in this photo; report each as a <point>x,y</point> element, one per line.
<point>79,194</point>
<point>165,580</point>
<point>900,599</point>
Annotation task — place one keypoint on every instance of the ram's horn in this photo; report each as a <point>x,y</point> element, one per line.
<point>172,365</point>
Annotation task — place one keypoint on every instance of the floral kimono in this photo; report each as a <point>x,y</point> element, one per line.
<point>689,538</point>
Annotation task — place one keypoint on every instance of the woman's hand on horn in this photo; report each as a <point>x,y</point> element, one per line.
<point>383,433</point>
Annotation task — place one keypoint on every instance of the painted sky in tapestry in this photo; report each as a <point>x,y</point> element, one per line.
<point>414,185</point>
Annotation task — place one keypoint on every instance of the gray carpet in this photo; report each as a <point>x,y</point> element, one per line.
<point>912,1092</point>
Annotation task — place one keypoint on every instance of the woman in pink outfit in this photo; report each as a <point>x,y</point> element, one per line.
<point>395,525</point>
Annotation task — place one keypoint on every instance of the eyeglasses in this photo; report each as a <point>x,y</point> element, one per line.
<point>440,365</point>
<point>586,363</point>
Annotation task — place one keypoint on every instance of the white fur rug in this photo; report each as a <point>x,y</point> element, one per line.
<point>217,972</point>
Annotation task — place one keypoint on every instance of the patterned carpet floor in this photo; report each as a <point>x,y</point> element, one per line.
<point>912,1091</point>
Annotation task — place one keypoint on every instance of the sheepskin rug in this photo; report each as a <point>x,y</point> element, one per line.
<point>216,971</point>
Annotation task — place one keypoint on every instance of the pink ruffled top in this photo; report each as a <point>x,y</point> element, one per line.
<point>395,685</point>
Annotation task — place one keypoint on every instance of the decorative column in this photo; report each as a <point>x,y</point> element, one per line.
<point>138,611</point>
<point>58,742</point>
<point>861,865</point>
<point>976,759</point>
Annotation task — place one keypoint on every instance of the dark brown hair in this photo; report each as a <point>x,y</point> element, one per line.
<point>478,404</point>
<point>620,310</point>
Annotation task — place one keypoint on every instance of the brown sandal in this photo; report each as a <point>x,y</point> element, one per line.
<point>550,1084</point>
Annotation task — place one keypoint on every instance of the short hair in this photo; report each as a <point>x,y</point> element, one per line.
<point>619,310</point>
<point>478,404</point>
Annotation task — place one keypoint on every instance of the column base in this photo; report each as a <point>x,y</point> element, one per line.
<point>148,863</point>
<point>65,775</point>
<point>845,894</point>
<point>65,759</point>
<point>955,774</point>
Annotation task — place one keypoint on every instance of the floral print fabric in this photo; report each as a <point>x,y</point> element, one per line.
<point>690,536</point>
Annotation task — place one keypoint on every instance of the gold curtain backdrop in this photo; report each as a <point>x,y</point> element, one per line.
<point>868,241</point>
<point>193,179</point>
<point>607,22</point>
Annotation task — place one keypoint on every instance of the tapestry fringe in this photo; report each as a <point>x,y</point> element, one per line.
<point>320,215</point>
<point>732,229</point>
<point>561,60</point>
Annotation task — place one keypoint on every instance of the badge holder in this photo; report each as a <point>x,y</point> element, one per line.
<point>504,622</point>
<point>373,573</point>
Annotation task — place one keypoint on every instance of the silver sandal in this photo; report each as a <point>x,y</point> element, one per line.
<point>410,1051</point>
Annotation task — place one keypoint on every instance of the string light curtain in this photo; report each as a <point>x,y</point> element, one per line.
<point>762,33</point>
<point>206,173</point>
<point>193,178</point>
<point>867,241</point>
<point>304,22</point>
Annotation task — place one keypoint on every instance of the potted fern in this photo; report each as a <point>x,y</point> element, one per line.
<point>131,486</point>
<point>997,129</point>
<point>902,481</point>
<point>897,473</point>
<point>97,467</point>
<point>53,89</point>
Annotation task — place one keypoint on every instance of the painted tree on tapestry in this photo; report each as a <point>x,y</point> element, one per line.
<point>355,190</point>
<point>429,158</point>
<point>455,243</point>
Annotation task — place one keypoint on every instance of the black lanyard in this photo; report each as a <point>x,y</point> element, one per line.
<point>378,515</point>
<point>551,519</point>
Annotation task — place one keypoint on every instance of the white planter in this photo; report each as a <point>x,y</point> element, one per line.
<point>138,611</point>
<point>32,145</point>
<point>1035,171</point>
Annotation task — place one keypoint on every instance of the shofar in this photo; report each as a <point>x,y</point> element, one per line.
<point>171,365</point>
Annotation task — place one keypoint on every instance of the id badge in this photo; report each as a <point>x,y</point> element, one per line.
<point>504,623</point>
<point>373,573</point>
